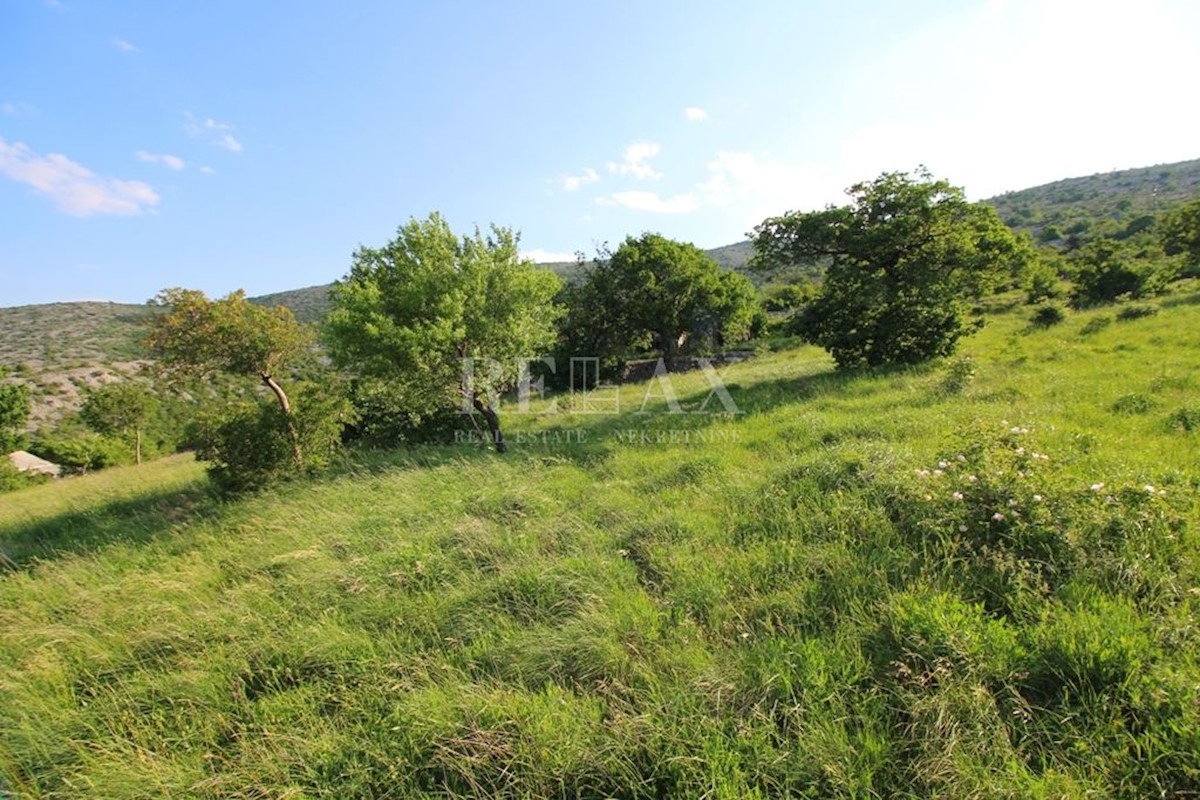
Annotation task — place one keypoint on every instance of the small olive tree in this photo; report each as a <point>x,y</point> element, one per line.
<point>199,336</point>
<point>119,409</point>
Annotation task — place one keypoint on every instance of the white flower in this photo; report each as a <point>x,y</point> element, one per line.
<point>962,528</point>
<point>937,473</point>
<point>998,517</point>
<point>1011,502</point>
<point>1038,498</point>
<point>1150,489</point>
<point>972,478</point>
<point>961,458</point>
<point>1097,487</point>
<point>957,495</point>
<point>1020,451</point>
<point>943,464</point>
<point>922,473</point>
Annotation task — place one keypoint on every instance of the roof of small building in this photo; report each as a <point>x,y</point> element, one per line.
<point>28,462</point>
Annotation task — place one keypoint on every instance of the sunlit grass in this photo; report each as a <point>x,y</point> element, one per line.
<point>784,601</point>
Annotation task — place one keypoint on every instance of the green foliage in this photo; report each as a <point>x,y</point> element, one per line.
<point>413,310</point>
<point>1180,232</point>
<point>903,258</point>
<point>1047,314</point>
<point>79,451</point>
<point>1041,279</point>
<point>1106,271</point>
<point>14,413</point>
<point>248,446</point>
<point>388,413</point>
<point>12,479</point>
<point>658,293</point>
<point>119,409</point>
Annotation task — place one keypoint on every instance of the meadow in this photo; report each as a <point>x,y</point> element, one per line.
<point>974,578</point>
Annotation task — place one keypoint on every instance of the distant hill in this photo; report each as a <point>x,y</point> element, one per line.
<point>1116,201</point>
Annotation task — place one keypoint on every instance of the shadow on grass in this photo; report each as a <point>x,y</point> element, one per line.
<point>78,532</point>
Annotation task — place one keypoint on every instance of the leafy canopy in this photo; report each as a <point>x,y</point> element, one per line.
<point>412,310</point>
<point>654,291</point>
<point>902,258</point>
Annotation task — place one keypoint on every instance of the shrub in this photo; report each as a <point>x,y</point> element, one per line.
<point>959,374</point>
<point>249,447</point>
<point>1133,403</point>
<point>1185,420</point>
<point>1135,311</point>
<point>1095,325</point>
<point>1047,315</point>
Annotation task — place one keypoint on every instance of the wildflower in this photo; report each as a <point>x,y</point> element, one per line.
<point>1110,500</point>
<point>928,497</point>
<point>922,473</point>
<point>623,553</point>
<point>937,473</point>
<point>960,458</point>
<point>1037,498</point>
<point>1097,487</point>
<point>1011,502</point>
<point>972,478</point>
<point>997,517</point>
<point>943,464</point>
<point>1150,489</point>
<point>1019,430</point>
<point>962,528</point>
<point>1020,451</point>
<point>957,495</point>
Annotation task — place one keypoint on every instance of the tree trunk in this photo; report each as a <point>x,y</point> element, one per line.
<point>293,434</point>
<point>493,423</point>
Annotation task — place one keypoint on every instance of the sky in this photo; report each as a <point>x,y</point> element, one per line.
<point>245,144</point>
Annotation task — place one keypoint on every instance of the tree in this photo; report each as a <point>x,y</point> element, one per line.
<point>14,413</point>
<point>199,336</point>
<point>119,409</point>
<point>902,260</point>
<point>449,318</point>
<point>657,292</point>
<point>1180,230</point>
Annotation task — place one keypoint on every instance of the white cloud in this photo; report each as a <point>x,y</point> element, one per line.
<point>207,170</point>
<point>227,141</point>
<point>695,114</point>
<point>218,133</point>
<point>573,183</point>
<point>166,159</point>
<point>634,161</point>
<point>768,185</point>
<point>122,45</point>
<point>540,256</point>
<point>74,188</point>
<point>650,201</point>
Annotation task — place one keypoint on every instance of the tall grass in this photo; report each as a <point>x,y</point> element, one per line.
<point>951,580</point>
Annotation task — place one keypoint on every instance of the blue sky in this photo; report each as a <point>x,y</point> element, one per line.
<point>218,145</point>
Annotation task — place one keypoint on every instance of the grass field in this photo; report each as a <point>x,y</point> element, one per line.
<point>978,578</point>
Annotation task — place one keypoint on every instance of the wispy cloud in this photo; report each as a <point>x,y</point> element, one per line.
<point>16,109</point>
<point>652,202</point>
<point>695,114</point>
<point>166,159</point>
<point>122,45</point>
<point>207,170</point>
<point>573,183</point>
<point>634,161</point>
<point>218,133</point>
<point>74,188</point>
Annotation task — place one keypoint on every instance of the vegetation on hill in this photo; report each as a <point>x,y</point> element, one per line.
<point>1121,203</point>
<point>976,577</point>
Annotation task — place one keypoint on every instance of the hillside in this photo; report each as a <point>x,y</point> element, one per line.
<point>978,578</point>
<point>1116,200</point>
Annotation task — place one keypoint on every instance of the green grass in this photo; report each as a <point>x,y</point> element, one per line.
<point>791,602</point>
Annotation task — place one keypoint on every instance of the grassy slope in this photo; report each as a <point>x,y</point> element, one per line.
<point>777,609</point>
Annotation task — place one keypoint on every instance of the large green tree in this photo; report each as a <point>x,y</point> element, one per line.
<point>656,292</point>
<point>233,336</point>
<point>901,261</point>
<point>448,317</point>
<point>119,409</point>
